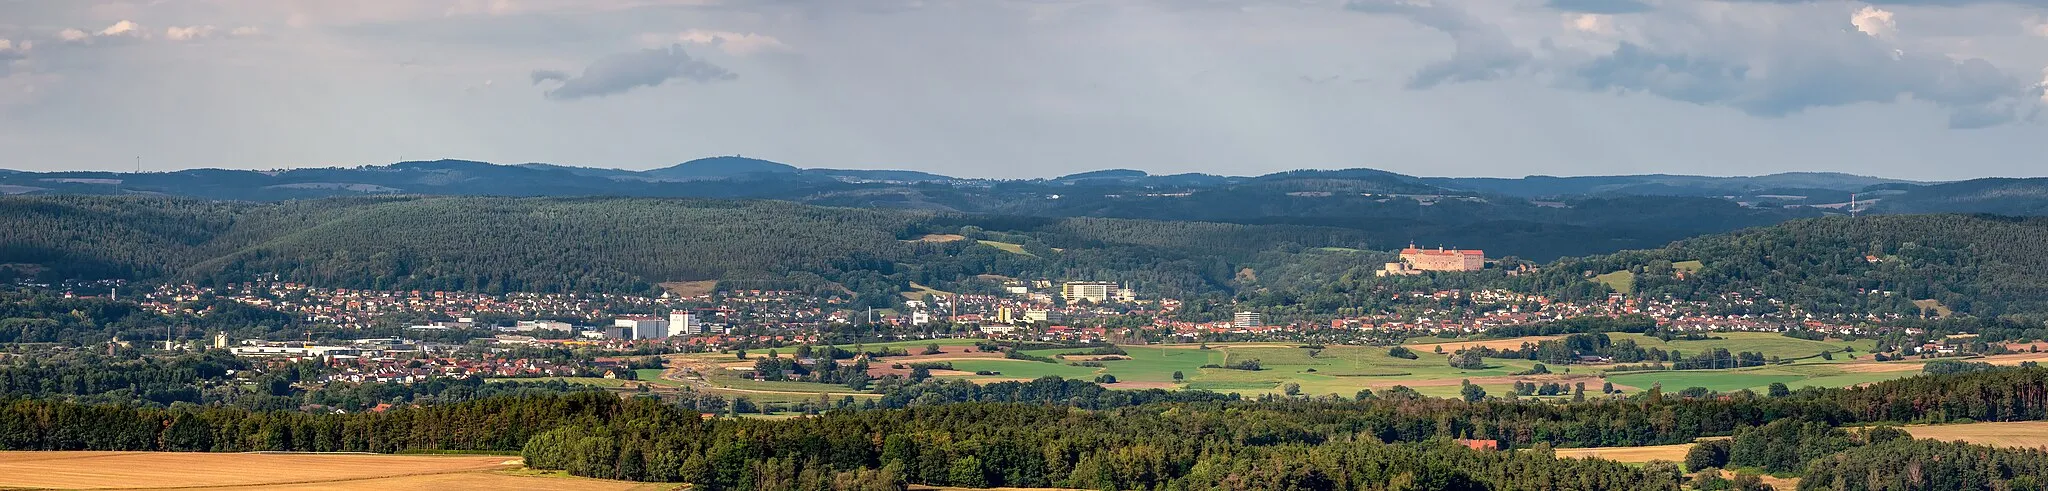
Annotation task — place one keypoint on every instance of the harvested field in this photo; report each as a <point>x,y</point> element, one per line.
<point>1674,453</point>
<point>687,289</point>
<point>2024,434</point>
<point>165,470</point>
<point>940,238</point>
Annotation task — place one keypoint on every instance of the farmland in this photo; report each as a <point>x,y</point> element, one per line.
<point>1342,370</point>
<point>2026,434</point>
<point>155,470</point>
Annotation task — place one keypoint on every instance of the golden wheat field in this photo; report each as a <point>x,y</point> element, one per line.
<point>2024,434</point>
<point>1674,453</point>
<point>162,470</point>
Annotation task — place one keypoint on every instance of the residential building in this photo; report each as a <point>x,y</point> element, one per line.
<point>1248,319</point>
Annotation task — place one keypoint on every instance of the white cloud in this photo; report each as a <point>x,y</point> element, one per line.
<point>122,28</point>
<point>73,35</point>
<point>736,43</point>
<point>1874,21</point>
<point>246,31</point>
<point>1591,23</point>
<point>190,33</point>
<point>2037,26</point>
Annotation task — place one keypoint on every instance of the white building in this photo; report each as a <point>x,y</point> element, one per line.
<point>530,326</point>
<point>1092,291</point>
<point>641,327</point>
<point>920,318</point>
<point>684,324</point>
<point>1248,319</point>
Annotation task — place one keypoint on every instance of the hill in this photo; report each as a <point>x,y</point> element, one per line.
<point>1977,264</point>
<point>1663,184</point>
<point>616,245</point>
<point>718,167</point>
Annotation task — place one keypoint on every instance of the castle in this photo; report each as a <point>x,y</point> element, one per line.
<point>1415,261</point>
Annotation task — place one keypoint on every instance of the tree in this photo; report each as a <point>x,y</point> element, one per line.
<point>932,349</point>
<point>1607,387</point>
<point>1710,454</point>
<point>1467,360</point>
<point>1291,389</point>
<point>967,472</point>
<point>1471,393</point>
<point>1778,389</point>
<point>1363,394</point>
<point>1177,376</point>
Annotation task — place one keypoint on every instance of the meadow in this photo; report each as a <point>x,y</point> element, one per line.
<point>1344,370</point>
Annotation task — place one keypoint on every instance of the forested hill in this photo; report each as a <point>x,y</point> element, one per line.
<point>1979,264</point>
<point>619,245</point>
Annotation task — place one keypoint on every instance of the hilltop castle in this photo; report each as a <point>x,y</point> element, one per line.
<point>1415,261</point>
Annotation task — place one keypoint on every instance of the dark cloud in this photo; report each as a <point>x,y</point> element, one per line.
<point>1851,68</point>
<point>1483,51</point>
<point>622,72</point>
<point>1600,6</point>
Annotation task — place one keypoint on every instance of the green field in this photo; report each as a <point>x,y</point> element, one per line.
<point>1717,380</point>
<point>1008,247</point>
<point>1025,368</point>
<point>1340,370</point>
<point>1620,281</point>
<point>1770,344</point>
<point>1688,266</point>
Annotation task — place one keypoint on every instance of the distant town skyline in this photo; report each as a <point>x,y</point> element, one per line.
<point>1906,89</point>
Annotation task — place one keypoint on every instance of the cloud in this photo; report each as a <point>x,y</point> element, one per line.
<point>1600,6</point>
<point>1765,62</point>
<point>122,28</point>
<point>623,72</point>
<point>1591,23</point>
<point>1874,21</point>
<point>1777,68</point>
<point>2037,26</point>
<point>736,43</point>
<point>1483,50</point>
<point>175,33</point>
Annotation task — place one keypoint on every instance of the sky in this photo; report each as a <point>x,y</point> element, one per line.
<point>1917,89</point>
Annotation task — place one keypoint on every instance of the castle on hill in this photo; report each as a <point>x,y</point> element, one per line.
<point>1416,260</point>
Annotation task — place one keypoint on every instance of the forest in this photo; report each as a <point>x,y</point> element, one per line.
<point>615,245</point>
<point>1984,266</point>
<point>1374,443</point>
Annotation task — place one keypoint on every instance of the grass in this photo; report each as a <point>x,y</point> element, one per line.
<point>1620,281</point>
<point>1934,305</point>
<point>1716,380</point>
<point>1770,344</point>
<point>1688,266</point>
<point>917,292</point>
<point>1025,369</point>
<point>1008,247</point>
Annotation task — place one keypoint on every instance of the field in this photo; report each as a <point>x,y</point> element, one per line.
<point>1636,455</point>
<point>1620,281</point>
<point>156,470</point>
<point>2026,434</point>
<point>1008,247</point>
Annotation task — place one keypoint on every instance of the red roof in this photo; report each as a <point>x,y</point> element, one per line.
<point>1443,252</point>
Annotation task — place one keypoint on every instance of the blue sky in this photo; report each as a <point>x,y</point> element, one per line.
<point>1924,89</point>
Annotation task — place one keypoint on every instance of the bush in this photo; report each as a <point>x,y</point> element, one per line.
<point>1402,352</point>
<point>1711,454</point>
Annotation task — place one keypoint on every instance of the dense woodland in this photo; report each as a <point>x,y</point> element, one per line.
<point>1376,443</point>
<point>500,245</point>
<point>1984,266</point>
